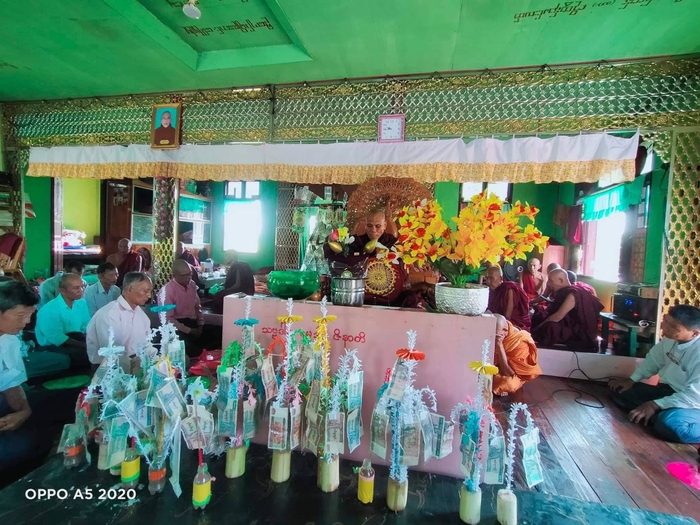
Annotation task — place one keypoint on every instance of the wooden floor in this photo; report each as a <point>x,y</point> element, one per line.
<point>596,454</point>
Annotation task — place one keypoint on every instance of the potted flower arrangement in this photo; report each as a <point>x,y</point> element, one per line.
<point>488,231</point>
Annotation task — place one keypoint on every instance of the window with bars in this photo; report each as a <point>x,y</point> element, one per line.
<point>242,216</point>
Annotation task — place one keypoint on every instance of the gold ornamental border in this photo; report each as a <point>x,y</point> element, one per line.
<point>565,171</point>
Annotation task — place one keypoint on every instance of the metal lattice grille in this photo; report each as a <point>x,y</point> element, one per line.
<point>286,240</point>
<point>682,279</point>
<point>164,230</point>
<point>650,95</point>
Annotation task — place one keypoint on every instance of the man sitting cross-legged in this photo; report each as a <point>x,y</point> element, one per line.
<point>673,406</point>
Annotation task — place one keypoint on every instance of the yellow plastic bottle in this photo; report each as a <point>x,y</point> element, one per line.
<point>365,482</point>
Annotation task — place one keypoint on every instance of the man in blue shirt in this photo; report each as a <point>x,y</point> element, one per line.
<point>19,441</point>
<point>49,288</point>
<point>62,322</point>
<point>105,290</point>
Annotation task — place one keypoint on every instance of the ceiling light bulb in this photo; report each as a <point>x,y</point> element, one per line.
<point>191,10</point>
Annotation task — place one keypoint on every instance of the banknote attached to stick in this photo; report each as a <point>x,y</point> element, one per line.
<point>269,378</point>
<point>399,381</point>
<point>295,426</point>
<point>354,429</point>
<point>409,456</point>
<point>531,457</point>
<point>355,382</point>
<point>278,433</point>
<point>335,433</point>
<point>380,424</point>
<point>250,422</point>
<point>496,459</point>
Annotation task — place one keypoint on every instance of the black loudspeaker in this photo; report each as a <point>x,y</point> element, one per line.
<point>512,271</point>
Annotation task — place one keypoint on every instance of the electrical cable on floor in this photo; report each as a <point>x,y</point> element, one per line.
<point>571,388</point>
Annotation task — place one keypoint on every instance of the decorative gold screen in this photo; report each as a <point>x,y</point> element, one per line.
<point>682,277</point>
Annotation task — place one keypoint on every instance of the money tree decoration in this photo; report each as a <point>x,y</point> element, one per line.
<point>401,407</point>
<point>332,402</point>
<point>284,434</point>
<point>237,387</point>
<point>475,419</point>
<point>506,502</point>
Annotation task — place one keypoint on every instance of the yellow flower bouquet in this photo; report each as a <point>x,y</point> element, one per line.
<point>487,231</point>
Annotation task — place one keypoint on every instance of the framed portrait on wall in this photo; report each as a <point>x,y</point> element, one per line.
<point>166,121</point>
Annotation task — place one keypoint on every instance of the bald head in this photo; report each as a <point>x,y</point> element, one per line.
<point>558,279</point>
<point>534,265</point>
<point>375,224</point>
<point>182,272</point>
<point>572,276</point>
<point>124,246</point>
<point>501,326</point>
<point>553,266</point>
<point>494,277</point>
<point>71,286</point>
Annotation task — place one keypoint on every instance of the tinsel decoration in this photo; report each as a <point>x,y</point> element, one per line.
<point>322,344</point>
<point>515,409</point>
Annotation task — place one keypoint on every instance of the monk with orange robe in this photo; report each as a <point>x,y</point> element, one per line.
<point>515,357</point>
<point>126,260</point>
<point>533,280</point>
<point>507,299</point>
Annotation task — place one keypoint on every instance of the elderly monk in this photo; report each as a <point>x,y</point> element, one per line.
<point>533,280</point>
<point>126,260</point>
<point>507,299</point>
<point>130,324</point>
<point>571,318</point>
<point>184,254</point>
<point>573,279</point>
<point>515,357</point>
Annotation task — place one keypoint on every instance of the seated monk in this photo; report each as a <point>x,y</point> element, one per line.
<point>573,279</point>
<point>376,230</point>
<point>126,260</point>
<point>515,357</point>
<point>507,299</point>
<point>571,318</point>
<point>186,255</point>
<point>533,280</point>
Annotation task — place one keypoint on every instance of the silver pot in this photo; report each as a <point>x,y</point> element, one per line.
<point>472,300</point>
<point>347,291</point>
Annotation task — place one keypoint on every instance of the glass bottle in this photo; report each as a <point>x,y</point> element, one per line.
<point>131,469</point>
<point>73,452</point>
<point>201,488</point>
<point>156,480</point>
<point>365,483</point>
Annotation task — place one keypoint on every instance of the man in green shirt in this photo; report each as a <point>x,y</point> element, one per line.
<point>61,324</point>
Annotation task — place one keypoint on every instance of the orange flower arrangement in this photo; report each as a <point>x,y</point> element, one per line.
<point>486,233</point>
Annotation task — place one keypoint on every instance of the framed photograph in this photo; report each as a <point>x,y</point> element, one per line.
<point>166,121</point>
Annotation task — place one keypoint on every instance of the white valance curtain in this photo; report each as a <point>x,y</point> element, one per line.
<point>580,158</point>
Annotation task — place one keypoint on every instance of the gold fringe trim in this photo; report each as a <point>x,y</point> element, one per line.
<point>570,171</point>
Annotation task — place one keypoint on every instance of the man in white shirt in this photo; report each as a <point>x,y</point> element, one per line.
<point>49,288</point>
<point>129,322</point>
<point>673,407</point>
<point>19,441</point>
<point>105,290</point>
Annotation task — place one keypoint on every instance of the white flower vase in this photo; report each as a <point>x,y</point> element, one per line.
<point>472,300</point>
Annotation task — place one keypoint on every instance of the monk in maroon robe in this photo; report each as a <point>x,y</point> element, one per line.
<point>571,319</point>
<point>187,256</point>
<point>573,279</point>
<point>533,280</point>
<point>507,299</point>
<point>126,260</point>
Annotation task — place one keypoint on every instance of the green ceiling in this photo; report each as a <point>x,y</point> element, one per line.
<point>76,48</point>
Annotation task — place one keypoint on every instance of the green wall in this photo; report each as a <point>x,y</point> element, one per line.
<point>38,230</point>
<point>447,196</point>
<point>655,226</point>
<point>266,247</point>
<point>81,206</point>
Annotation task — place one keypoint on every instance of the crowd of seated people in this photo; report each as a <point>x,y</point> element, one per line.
<point>551,310</point>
